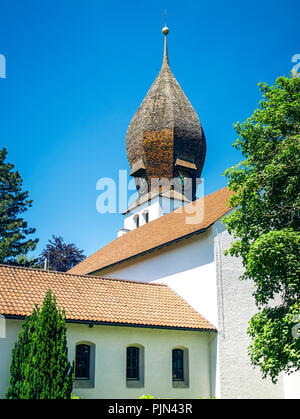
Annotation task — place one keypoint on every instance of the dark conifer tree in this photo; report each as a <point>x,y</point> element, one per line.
<point>19,359</point>
<point>13,202</point>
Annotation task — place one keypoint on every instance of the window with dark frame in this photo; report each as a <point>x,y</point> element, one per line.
<point>82,363</point>
<point>146,215</point>
<point>177,365</point>
<point>133,363</point>
<point>137,221</point>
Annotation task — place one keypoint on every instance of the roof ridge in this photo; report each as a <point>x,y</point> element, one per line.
<point>81,275</point>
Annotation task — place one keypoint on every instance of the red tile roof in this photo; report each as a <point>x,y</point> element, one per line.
<point>95,299</point>
<point>160,232</point>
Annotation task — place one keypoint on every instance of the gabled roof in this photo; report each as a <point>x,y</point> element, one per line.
<point>160,232</point>
<point>97,300</point>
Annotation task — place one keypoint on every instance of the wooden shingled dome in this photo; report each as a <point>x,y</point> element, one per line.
<point>165,138</point>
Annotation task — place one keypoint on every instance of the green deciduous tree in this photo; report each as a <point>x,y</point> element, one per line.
<point>265,223</point>
<point>13,202</point>
<point>40,368</point>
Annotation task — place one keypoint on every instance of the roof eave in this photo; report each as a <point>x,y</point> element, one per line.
<point>116,324</point>
<point>194,233</point>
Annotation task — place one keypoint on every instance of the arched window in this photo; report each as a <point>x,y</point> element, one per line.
<point>146,217</point>
<point>137,220</point>
<point>133,363</point>
<point>82,362</point>
<point>177,365</point>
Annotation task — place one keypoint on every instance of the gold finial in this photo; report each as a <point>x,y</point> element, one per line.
<point>165,31</point>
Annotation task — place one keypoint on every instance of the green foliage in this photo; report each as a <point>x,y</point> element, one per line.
<point>146,396</point>
<point>40,368</point>
<point>60,255</point>
<point>74,397</point>
<point>274,262</point>
<point>13,202</point>
<point>20,354</point>
<point>275,326</point>
<point>25,261</point>
<point>265,223</point>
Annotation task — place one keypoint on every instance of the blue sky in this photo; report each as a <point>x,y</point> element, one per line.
<point>78,70</point>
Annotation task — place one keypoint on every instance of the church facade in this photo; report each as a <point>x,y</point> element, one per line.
<point>127,338</point>
<point>174,322</point>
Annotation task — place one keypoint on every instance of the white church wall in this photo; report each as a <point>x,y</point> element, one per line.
<point>13,328</point>
<point>292,385</point>
<point>187,267</point>
<point>237,378</point>
<point>157,207</point>
<point>153,208</point>
<point>110,359</point>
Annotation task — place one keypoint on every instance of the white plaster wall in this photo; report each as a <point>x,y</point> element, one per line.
<point>187,267</point>
<point>236,376</point>
<point>13,328</point>
<point>157,207</point>
<point>153,209</point>
<point>110,360</point>
<point>292,385</point>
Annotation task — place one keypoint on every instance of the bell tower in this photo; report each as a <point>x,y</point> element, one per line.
<point>165,146</point>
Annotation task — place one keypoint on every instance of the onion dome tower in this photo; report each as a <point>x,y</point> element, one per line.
<point>165,140</point>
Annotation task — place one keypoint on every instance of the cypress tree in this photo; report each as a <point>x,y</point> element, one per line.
<point>45,372</point>
<point>20,355</point>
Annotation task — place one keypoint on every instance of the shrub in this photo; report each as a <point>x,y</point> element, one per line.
<point>40,368</point>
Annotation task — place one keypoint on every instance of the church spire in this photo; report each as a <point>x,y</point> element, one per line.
<point>165,31</point>
<point>165,140</point>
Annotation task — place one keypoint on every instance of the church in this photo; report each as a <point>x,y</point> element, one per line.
<point>159,310</point>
